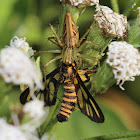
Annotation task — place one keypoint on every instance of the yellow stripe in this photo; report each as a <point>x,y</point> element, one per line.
<point>70,94</point>
<point>95,108</point>
<point>65,114</point>
<point>66,110</point>
<point>65,105</point>
<point>71,87</point>
<point>70,100</point>
<point>29,97</point>
<point>67,81</point>
<point>87,109</point>
<point>70,70</point>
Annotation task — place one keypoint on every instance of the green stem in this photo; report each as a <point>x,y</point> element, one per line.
<point>127,134</point>
<point>103,79</point>
<point>49,124</point>
<point>128,11</point>
<point>115,5</point>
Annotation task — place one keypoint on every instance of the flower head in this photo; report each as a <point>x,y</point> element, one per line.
<point>35,108</point>
<point>10,132</point>
<point>17,67</point>
<point>82,3</point>
<point>125,61</point>
<point>111,22</point>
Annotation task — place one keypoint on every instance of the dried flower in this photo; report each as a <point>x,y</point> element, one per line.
<point>125,61</point>
<point>82,3</point>
<point>35,108</point>
<point>17,67</point>
<point>111,22</point>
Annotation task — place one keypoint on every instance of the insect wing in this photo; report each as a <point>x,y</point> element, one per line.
<point>49,93</point>
<point>53,81</point>
<point>85,74</point>
<point>87,104</point>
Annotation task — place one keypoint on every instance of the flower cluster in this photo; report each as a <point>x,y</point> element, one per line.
<point>125,61</point>
<point>10,132</point>
<point>83,3</point>
<point>26,131</point>
<point>111,22</point>
<point>35,108</point>
<point>16,66</point>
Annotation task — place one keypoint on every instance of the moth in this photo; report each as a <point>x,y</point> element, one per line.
<point>74,92</point>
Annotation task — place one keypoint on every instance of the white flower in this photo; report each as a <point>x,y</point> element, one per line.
<point>83,3</point>
<point>125,61</point>
<point>35,108</point>
<point>111,22</point>
<point>10,132</point>
<point>17,67</point>
<point>21,43</point>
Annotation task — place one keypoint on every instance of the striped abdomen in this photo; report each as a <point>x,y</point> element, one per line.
<point>69,98</point>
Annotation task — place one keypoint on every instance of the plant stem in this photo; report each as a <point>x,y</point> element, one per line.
<point>127,134</point>
<point>129,7</point>
<point>115,5</point>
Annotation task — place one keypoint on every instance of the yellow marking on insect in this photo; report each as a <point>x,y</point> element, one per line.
<point>83,77</point>
<point>70,94</point>
<point>65,114</point>
<point>80,98</point>
<point>85,74</point>
<point>71,87</point>
<point>95,108</point>
<point>73,64</point>
<point>87,109</point>
<point>90,110</point>
<point>69,70</point>
<point>66,81</point>
<point>66,110</point>
<point>29,97</point>
<point>75,81</point>
<point>70,100</point>
<point>85,94</point>
<point>66,105</point>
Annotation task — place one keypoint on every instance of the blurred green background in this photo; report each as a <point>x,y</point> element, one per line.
<point>30,19</point>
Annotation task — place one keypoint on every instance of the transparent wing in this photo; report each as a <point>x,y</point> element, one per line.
<point>86,103</point>
<point>49,93</point>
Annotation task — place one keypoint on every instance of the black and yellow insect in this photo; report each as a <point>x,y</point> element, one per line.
<point>74,92</point>
<point>72,78</point>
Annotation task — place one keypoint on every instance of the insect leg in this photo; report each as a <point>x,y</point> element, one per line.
<point>90,57</point>
<point>89,42</point>
<point>44,69</point>
<point>56,36</point>
<point>83,37</point>
<point>50,51</point>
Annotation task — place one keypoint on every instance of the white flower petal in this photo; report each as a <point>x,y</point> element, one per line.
<point>125,61</point>
<point>10,132</point>
<point>35,108</point>
<point>17,67</point>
